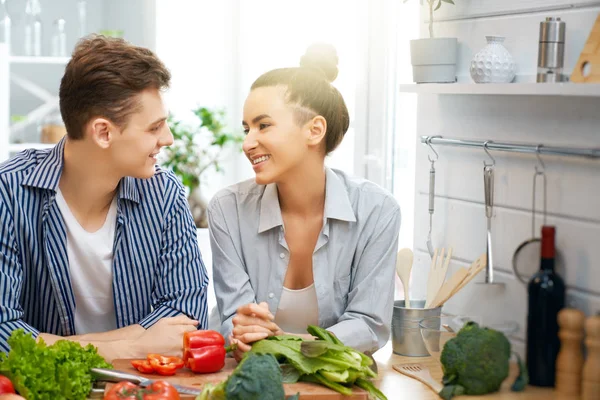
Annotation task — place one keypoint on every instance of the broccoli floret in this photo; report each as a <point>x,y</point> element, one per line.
<point>475,362</point>
<point>257,377</point>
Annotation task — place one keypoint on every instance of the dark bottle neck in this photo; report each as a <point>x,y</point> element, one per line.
<point>547,264</point>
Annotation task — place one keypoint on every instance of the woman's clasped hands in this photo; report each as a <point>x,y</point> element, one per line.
<point>251,323</point>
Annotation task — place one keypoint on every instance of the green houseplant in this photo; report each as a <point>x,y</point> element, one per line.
<point>433,5</point>
<point>434,59</point>
<point>197,149</point>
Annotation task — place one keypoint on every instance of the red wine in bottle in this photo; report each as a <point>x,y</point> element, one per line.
<point>546,292</point>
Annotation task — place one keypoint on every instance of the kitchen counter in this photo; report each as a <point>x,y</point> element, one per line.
<point>392,383</point>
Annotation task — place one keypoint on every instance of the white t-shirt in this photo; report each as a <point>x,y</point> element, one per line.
<point>297,309</point>
<point>90,256</point>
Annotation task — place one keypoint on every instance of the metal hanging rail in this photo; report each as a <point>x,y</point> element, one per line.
<point>513,147</point>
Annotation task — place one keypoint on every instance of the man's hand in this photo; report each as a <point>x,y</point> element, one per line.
<point>166,336</point>
<point>251,323</point>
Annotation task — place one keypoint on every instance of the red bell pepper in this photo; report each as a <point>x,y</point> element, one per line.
<point>197,339</point>
<point>158,390</point>
<point>165,365</point>
<point>205,360</point>
<point>143,366</point>
<point>156,363</point>
<point>204,351</point>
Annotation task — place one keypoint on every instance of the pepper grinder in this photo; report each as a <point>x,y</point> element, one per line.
<point>591,368</point>
<point>569,362</point>
<point>551,50</point>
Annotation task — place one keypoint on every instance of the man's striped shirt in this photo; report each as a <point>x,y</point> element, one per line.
<point>157,265</point>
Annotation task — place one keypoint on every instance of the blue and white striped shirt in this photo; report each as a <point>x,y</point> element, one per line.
<point>157,265</point>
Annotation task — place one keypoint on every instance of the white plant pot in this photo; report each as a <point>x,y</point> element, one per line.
<point>434,60</point>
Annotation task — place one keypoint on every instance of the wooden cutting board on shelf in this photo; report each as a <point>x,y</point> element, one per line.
<point>186,377</point>
<point>587,69</point>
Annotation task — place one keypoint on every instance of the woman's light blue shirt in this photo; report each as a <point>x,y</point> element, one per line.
<point>353,261</point>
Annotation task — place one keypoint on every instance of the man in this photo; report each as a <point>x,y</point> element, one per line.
<point>97,244</point>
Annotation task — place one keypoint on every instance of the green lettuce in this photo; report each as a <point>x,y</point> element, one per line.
<point>56,372</point>
<point>325,361</point>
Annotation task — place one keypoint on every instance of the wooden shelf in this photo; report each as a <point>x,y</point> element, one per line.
<point>501,89</point>
<point>39,60</point>
<point>16,147</point>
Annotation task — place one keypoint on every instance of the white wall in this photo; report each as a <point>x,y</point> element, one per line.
<point>215,50</point>
<point>198,43</point>
<point>573,184</point>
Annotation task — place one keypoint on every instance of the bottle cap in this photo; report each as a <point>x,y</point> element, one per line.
<point>552,30</point>
<point>548,235</point>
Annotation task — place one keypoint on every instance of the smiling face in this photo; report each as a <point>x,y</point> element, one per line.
<point>134,149</point>
<point>276,144</point>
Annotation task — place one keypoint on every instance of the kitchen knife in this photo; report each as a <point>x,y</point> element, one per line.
<point>109,375</point>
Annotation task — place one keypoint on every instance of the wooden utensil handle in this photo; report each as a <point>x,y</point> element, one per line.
<point>475,268</point>
<point>426,380</point>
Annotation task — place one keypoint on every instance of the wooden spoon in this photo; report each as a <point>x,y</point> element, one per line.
<point>404,262</point>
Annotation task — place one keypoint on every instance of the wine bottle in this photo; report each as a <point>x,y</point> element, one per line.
<point>546,292</point>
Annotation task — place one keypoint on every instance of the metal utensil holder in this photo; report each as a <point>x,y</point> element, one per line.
<point>406,333</point>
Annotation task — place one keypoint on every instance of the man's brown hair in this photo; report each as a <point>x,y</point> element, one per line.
<point>103,79</point>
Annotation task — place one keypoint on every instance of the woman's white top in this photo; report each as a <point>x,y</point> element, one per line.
<point>297,309</point>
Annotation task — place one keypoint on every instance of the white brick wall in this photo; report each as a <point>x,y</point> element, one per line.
<point>573,184</point>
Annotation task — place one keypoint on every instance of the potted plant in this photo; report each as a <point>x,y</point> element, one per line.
<point>433,59</point>
<point>197,149</point>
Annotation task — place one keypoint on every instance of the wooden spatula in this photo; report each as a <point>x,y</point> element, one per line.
<point>437,274</point>
<point>420,373</point>
<point>404,263</point>
<point>449,286</point>
<point>475,268</point>
<point>455,284</point>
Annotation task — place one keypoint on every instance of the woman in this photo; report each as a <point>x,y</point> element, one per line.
<point>302,243</point>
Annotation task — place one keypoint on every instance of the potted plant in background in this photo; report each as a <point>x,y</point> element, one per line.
<point>434,59</point>
<point>197,149</point>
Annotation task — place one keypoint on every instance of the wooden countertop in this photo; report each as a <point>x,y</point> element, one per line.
<point>392,383</point>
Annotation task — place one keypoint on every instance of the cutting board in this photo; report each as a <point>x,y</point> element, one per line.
<point>186,377</point>
<point>589,55</point>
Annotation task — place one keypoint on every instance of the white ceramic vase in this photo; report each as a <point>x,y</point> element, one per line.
<point>493,63</point>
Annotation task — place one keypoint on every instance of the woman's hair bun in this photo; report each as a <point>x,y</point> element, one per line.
<point>323,57</point>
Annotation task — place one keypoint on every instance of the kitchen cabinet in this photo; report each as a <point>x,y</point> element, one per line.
<point>29,85</point>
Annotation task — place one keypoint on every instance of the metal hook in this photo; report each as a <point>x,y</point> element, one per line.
<point>428,142</point>
<point>485,147</point>
<point>541,162</point>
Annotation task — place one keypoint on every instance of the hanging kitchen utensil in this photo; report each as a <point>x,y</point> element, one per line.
<point>430,247</point>
<point>525,261</point>
<point>488,183</point>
